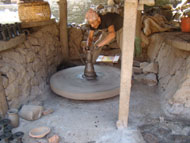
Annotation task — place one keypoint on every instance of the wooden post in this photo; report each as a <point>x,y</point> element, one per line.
<point>147,2</point>
<point>3,101</point>
<point>63,28</point>
<point>130,14</point>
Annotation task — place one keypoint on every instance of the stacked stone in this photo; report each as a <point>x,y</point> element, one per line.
<point>27,68</point>
<point>75,37</point>
<point>146,72</point>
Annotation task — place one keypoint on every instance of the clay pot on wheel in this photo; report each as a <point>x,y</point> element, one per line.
<point>12,115</point>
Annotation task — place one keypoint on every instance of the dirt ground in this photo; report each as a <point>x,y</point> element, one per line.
<point>82,121</point>
<point>93,122</point>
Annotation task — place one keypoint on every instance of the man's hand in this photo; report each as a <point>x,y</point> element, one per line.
<point>96,47</point>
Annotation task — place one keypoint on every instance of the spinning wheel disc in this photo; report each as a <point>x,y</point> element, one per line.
<point>71,83</point>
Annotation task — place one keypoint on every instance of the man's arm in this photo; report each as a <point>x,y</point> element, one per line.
<point>109,37</point>
<point>90,38</point>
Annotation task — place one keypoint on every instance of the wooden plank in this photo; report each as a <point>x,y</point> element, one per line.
<point>131,1</point>
<point>63,29</point>
<point>130,14</point>
<point>147,2</point>
<point>5,45</point>
<point>3,101</point>
<point>37,23</point>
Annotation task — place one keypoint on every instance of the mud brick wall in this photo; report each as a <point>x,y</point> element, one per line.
<point>172,53</point>
<point>26,69</point>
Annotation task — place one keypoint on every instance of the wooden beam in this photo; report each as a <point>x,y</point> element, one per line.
<point>3,101</point>
<point>147,2</point>
<point>37,23</point>
<point>130,14</point>
<point>63,28</point>
<point>13,42</point>
<point>140,7</point>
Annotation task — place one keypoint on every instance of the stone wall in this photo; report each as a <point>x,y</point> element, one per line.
<point>26,69</point>
<point>172,53</point>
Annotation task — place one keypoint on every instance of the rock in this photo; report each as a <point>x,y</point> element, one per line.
<point>38,34</point>
<point>27,44</point>
<point>151,68</point>
<point>12,75</point>
<point>30,57</point>
<point>22,50</point>
<point>35,49</point>
<point>34,81</point>
<point>33,41</point>
<point>182,96</point>
<point>12,91</point>
<point>154,47</point>
<point>36,65</point>
<point>5,81</point>
<point>110,2</point>
<point>136,64</point>
<point>25,88</point>
<point>4,69</point>
<point>150,79</point>
<point>31,112</point>
<point>54,139</point>
<point>100,6</point>
<point>137,70</point>
<point>47,112</point>
<point>186,131</point>
<point>139,77</point>
<point>144,64</point>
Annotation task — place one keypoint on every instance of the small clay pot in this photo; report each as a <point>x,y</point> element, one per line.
<point>13,117</point>
<point>185,24</point>
<point>39,132</point>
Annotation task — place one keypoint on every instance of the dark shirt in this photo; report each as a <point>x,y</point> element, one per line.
<point>110,19</point>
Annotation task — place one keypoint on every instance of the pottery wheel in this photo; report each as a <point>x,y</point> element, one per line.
<point>70,83</point>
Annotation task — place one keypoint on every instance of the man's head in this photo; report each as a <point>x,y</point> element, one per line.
<point>93,18</point>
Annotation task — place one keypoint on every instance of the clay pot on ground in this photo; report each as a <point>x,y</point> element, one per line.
<point>13,116</point>
<point>39,132</point>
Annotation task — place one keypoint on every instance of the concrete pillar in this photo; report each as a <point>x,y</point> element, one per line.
<point>130,14</point>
